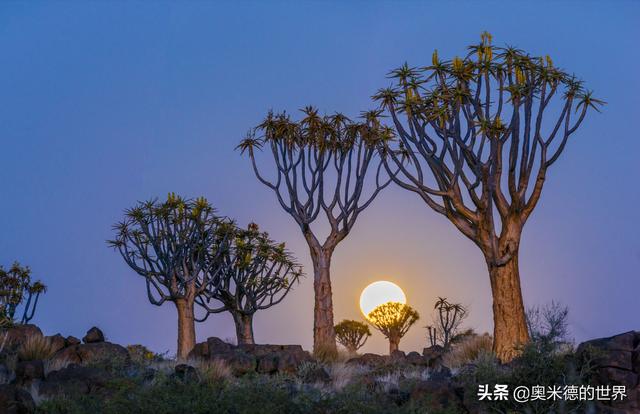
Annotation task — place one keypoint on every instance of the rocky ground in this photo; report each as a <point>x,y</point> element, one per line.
<point>70,368</point>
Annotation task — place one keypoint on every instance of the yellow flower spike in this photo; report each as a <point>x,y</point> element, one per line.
<point>434,58</point>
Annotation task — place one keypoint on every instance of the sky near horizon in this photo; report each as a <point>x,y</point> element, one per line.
<point>103,104</point>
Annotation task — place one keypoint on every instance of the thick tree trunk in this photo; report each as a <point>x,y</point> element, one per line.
<point>509,320</point>
<point>324,337</point>
<point>186,328</point>
<point>394,343</point>
<point>244,328</point>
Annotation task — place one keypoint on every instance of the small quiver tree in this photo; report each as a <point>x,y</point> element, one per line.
<point>170,244</point>
<point>447,321</point>
<point>254,273</point>
<point>17,290</point>
<point>393,319</point>
<point>352,334</point>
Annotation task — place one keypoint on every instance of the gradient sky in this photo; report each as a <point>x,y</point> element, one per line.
<point>104,104</point>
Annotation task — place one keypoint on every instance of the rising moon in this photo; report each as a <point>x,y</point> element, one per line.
<point>379,293</point>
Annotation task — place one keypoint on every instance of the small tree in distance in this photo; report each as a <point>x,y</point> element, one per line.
<point>254,273</point>
<point>15,287</point>
<point>352,334</point>
<point>447,322</point>
<point>169,244</point>
<point>393,319</point>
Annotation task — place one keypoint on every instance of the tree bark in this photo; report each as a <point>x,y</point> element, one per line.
<point>394,343</point>
<point>509,320</point>
<point>186,328</point>
<point>324,337</point>
<point>244,328</point>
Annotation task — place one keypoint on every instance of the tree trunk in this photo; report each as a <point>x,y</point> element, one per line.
<point>324,337</point>
<point>244,328</point>
<point>394,343</point>
<point>509,320</point>
<point>186,328</point>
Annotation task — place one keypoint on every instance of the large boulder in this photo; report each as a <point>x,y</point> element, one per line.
<point>57,342</point>
<point>94,335</point>
<point>14,400</point>
<point>96,353</point>
<point>616,361</point>
<point>369,360</point>
<point>437,395</point>
<point>74,380</point>
<point>242,359</point>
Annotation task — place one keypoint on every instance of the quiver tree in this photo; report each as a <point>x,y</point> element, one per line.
<point>447,321</point>
<point>393,319</point>
<point>321,166</point>
<point>171,244</point>
<point>476,136</point>
<point>352,334</point>
<point>254,273</point>
<point>17,289</point>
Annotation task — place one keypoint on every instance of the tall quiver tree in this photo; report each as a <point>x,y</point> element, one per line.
<point>322,164</point>
<point>480,133</point>
<point>255,273</point>
<point>169,244</point>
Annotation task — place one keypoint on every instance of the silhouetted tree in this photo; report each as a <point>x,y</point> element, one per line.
<point>393,319</point>
<point>476,138</point>
<point>321,165</point>
<point>16,289</point>
<point>169,244</point>
<point>352,334</point>
<point>255,273</point>
<point>447,320</point>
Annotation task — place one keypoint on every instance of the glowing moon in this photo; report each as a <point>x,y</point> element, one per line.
<point>379,293</point>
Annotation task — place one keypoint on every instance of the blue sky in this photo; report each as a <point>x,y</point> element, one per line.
<point>106,103</point>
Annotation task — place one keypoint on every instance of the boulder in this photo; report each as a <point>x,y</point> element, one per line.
<point>268,364</point>
<point>218,346</point>
<point>635,360</point>
<point>369,360</point>
<point>14,400</point>
<point>186,373</point>
<point>104,353</point>
<point>74,380</point>
<point>397,356</point>
<point>71,340</point>
<point>239,362</point>
<point>57,342</point>
<point>94,335</point>
<point>414,358</point>
<point>27,371</point>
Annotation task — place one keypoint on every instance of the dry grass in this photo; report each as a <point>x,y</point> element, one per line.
<point>343,374</point>
<point>468,351</point>
<point>35,347</point>
<point>214,371</point>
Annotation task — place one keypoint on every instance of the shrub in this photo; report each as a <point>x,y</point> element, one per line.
<point>35,347</point>
<point>214,371</point>
<point>468,350</point>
